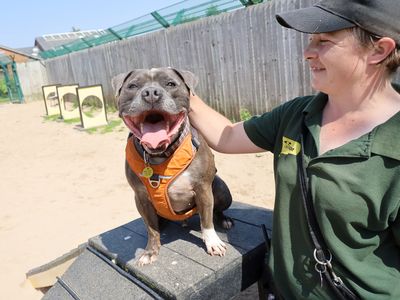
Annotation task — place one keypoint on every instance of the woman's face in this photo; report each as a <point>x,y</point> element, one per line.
<point>337,61</point>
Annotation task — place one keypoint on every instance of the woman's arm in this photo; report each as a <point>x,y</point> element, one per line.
<point>220,133</point>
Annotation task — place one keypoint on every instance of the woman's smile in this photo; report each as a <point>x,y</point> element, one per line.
<point>315,69</point>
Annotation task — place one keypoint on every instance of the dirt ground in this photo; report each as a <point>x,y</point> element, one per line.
<point>60,186</point>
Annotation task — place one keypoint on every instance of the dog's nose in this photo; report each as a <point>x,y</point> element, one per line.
<point>151,94</point>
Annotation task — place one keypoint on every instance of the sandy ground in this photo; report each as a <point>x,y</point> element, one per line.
<point>60,186</point>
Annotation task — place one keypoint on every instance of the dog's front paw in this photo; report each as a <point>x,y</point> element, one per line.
<point>146,258</point>
<point>213,243</point>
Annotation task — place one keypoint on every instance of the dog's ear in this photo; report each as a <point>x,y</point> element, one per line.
<point>117,82</point>
<point>188,78</point>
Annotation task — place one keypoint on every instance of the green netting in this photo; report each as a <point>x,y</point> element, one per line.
<point>179,13</point>
<point>10,86</point>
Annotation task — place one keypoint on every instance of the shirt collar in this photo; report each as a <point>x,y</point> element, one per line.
<point>386,141</point>
<point>382,140</point>
<point>315,106</point>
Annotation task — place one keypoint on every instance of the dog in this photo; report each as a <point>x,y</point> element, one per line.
<point>169,165</point>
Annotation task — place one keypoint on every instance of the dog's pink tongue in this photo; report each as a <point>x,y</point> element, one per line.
<point>155,135</point>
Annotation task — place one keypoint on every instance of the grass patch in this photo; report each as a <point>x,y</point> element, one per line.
<point>4,99</point>
<point>58,118</point>
<point>89,114</point>
<point>244,114</point>
<point>111,109</point>
<point>113,125</point>
<point>73,121</point>
<point>91,130</point>
<point>52,118</point>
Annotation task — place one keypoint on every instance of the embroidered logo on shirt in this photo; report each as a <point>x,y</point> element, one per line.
<point>289,146</point>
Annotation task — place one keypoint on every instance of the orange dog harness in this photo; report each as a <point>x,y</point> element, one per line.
<point>157,178</point>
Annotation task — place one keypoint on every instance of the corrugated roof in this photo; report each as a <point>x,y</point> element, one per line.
<point>49,41</point>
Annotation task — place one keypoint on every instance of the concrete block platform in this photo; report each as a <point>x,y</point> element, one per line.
<point>183,270</point>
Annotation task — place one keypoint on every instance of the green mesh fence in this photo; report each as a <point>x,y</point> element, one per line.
<point>179,13</point>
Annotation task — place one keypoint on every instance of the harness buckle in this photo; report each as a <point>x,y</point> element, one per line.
<point>154,181</point>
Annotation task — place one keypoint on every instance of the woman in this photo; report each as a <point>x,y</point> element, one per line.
<point>351,152</point>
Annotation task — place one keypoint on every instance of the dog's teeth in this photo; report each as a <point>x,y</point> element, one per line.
<point>141,128</point>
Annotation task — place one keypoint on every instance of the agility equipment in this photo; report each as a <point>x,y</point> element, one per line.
<point>68,101</point>
<point>92,106</point>
<point>50,98</point>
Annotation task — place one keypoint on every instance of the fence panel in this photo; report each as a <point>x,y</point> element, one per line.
<point>244,58</point>
<point>32,77</point>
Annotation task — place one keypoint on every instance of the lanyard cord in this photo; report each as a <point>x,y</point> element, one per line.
<point>322,257</point>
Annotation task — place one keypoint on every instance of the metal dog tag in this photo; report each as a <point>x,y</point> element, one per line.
<point>147,172</point>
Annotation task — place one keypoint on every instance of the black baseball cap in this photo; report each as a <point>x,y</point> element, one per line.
<point>379,17</point>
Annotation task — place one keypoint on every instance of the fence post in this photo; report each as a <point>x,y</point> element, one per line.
<point>17,83</point>
<point>160,19</point>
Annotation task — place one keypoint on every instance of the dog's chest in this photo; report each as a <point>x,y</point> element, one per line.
<point>181,193</point>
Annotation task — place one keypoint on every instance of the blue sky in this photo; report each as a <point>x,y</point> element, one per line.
<point>23,20</point>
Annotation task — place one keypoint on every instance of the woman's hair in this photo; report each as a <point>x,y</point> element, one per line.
<point>367,39</point>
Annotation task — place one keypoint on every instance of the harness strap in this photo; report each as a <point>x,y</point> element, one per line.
<point>157,177</point>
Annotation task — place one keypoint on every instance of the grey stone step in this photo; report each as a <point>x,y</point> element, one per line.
<point>90,278</point>
<point>183,269</point>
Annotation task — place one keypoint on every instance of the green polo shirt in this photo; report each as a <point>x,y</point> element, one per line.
<point>356,194</point>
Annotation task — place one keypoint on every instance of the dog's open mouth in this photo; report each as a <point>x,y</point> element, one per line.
<point>155,129</point>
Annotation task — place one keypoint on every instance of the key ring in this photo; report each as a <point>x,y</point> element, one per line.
<point>320,268</point>
<point>320,261</point>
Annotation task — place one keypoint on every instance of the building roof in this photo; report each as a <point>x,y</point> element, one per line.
<point>27,50</point>
<point>21,51</point>
<point>49,41</point>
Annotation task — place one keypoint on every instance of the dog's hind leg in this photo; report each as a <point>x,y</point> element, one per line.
<point>222,201</point>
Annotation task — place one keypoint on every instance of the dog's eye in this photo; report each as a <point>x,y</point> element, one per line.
<point>171,83</point>
<point>132,86</point>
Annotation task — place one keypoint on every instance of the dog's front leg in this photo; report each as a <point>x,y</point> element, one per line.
<point>205,206</point>
<point>150,218</point>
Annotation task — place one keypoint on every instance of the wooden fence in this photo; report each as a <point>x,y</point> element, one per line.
<point>32,76</point>
<point>244,59</point>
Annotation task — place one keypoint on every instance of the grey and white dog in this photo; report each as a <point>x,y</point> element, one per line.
<point>154,104</point>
